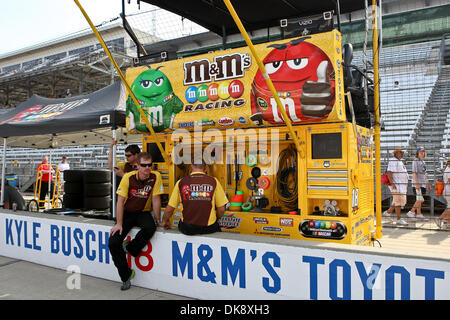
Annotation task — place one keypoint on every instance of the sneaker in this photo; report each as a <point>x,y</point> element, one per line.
<point>386,214</point>
<point>438,222</point>
<point>421,217</point>
<point>411,214</point>
<point>127,284</point>
<point>402,222</point>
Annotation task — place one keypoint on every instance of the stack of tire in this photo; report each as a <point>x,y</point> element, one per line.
<point>87,189</point>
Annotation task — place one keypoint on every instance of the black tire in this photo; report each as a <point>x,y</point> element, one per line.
<point>97,176</point>
<point>73,188</point>
<point>97,189</point>
<point>73,201</point>
<point>99,203</point>
<point>73,175</point>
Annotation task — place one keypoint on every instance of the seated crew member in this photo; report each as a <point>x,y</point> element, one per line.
<point>131,153</point>
<point>200,195</point>
<point>138,192</point>
<point>12,196</point>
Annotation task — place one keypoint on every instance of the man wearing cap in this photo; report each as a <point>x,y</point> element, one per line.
<point>398,184</point>
<point>131,153</point>
<point>203,200</point>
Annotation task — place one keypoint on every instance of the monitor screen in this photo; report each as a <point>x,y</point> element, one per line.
<point>154,151</point>
<point>326,145</point>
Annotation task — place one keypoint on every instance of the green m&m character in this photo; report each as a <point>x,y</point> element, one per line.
<point>155,95</point>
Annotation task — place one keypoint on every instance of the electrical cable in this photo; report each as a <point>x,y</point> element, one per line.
<point>287,189</point>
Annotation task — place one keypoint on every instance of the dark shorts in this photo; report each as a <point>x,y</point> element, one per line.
<point>190,229</point>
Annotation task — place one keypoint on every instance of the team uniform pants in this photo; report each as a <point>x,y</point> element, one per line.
<point>190,229</point>
<point>143,220</point>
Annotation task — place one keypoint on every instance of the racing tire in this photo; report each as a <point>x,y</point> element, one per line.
<point>97,176</point>
<point>98,203</point>
<point>73,188</point>
<point>73,201</point>
<point>97,189</point>
<point>73,175</point>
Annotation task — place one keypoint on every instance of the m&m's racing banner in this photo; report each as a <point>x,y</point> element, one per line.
<point>225,89</point>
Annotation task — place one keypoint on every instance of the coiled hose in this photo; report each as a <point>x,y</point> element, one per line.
<point>287,188</point>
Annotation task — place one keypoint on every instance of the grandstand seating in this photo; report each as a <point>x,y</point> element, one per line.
<point>407,77</point>
<point>27,160</point>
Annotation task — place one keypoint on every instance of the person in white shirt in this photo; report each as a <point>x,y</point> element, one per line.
<point>398,184</point>
<point>444,220</point>
<point>62,166</point>
<point>420,183</point>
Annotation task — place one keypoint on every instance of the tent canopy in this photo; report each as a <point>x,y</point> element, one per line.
<point>254,14</point>
<point>79,120</point>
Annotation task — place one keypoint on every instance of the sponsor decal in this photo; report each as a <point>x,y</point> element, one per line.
<point>286,222</point>
<point>242,120</point>
<point>226,121</point>
<point>260,220</point>
<point>230,221</point>
<point>272,229</point>
<point>206,122</point>
<point>38,112</point>
<point>186,124</point>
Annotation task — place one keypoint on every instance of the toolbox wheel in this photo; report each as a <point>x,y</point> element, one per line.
<point>33,206</point>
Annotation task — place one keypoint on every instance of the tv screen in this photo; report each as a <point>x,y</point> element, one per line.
<point>153,149</point>
<point>326,145</point>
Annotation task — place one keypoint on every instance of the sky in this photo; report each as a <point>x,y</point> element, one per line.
<point>28,22</point>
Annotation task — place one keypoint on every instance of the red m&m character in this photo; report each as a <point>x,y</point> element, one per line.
<point>302,75</point>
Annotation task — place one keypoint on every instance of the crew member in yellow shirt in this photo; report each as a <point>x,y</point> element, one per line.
<point>138,192</point>
<point>203,200</point>
<point>131,153</point>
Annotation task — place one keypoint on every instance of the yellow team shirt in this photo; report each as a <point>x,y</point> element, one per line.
<point>137,193</point>
<point>219,199</point>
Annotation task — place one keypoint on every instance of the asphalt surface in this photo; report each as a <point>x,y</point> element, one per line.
<point>23,280</point>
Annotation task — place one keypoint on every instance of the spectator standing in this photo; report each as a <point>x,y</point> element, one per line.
<point>45,171</point>
<point>398,184</point>
<point>139,191</point>
<point>200,195</point>
<point>420,183</point>
<point>444,220</point>
<point>62,166</point>
<point>131,154</point>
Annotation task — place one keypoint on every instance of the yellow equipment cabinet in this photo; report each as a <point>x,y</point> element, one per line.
<point>217,106</point>
<point>332,199</point>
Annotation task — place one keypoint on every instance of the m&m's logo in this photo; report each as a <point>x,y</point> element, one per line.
<point>214,91</point>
